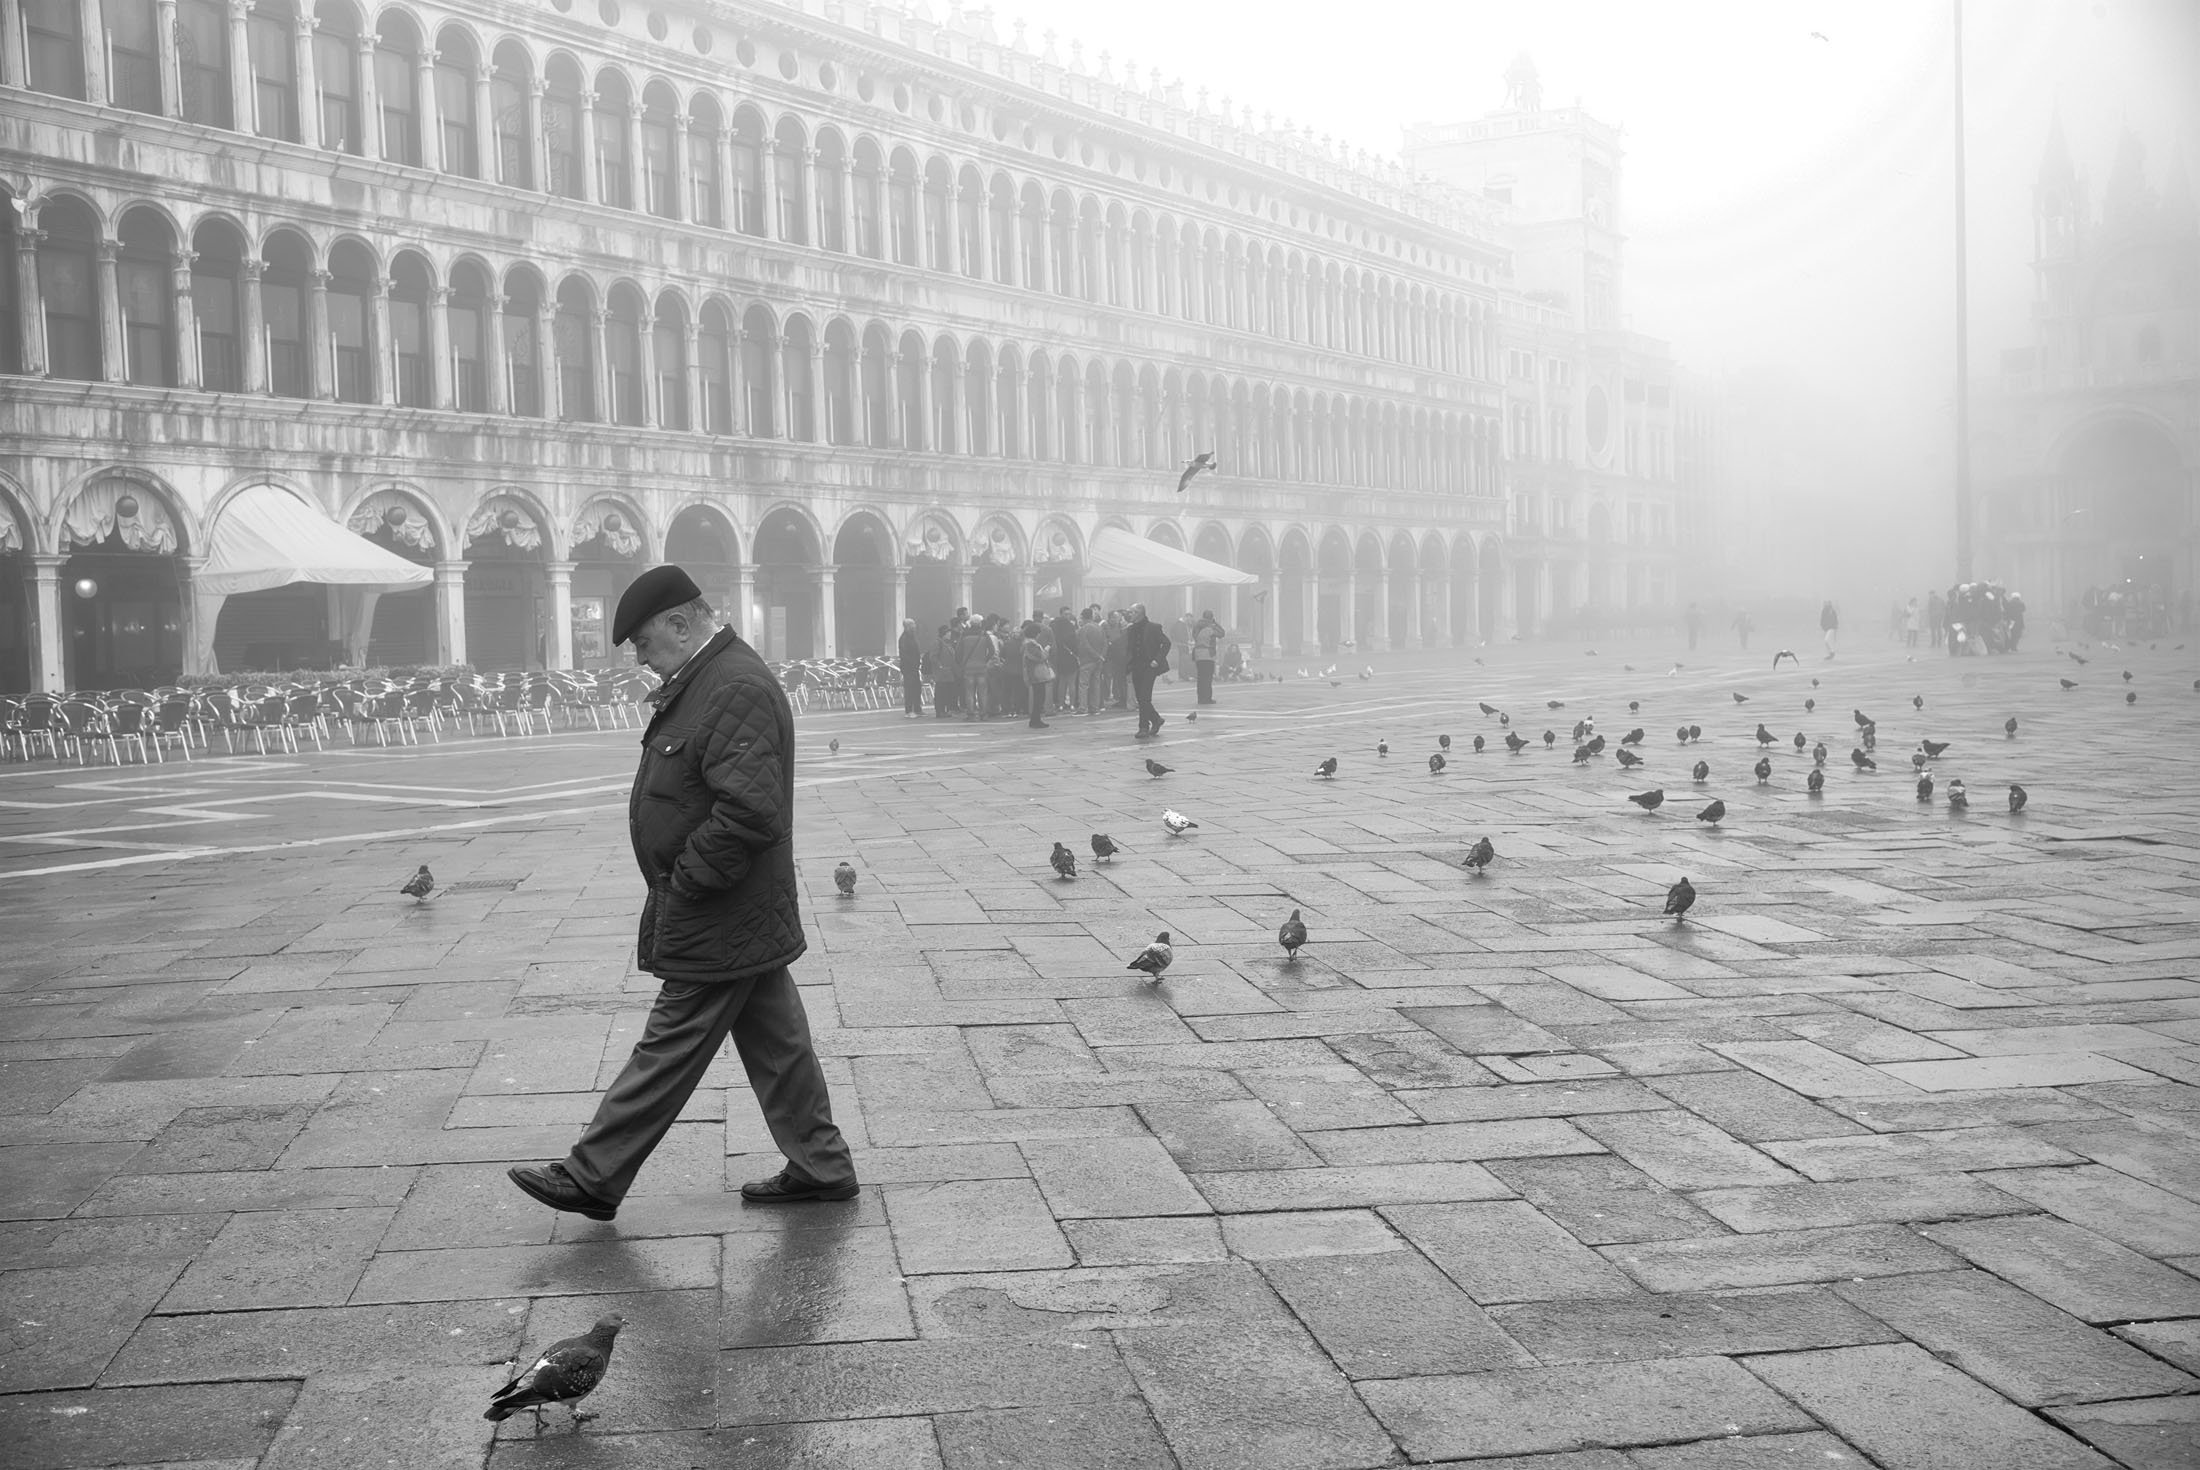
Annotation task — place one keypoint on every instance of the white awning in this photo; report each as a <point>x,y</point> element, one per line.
<point>1119,559</point>
<point>268,537</point>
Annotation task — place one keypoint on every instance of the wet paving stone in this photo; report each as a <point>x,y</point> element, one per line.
<point>1687,1325</point>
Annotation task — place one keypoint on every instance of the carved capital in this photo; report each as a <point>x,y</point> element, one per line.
<point>110,251</point>
<point>319,280</point>
<point>253,270</point>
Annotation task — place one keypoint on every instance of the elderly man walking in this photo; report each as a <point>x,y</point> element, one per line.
<point>711,818</point>
<point>1147,651</point>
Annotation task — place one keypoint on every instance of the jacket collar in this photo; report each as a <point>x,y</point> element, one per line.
<point>669,691</point>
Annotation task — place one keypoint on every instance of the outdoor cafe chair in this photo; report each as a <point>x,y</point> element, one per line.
<point>171,722</point>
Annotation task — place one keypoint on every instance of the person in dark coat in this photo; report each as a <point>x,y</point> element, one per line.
<point>1146,649</point>
<point>946,673</point>
<point>1062,647</point>
<point>912,670</point>
<point>711,818</point>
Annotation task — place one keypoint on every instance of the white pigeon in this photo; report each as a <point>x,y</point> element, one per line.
<point>1177,823</point>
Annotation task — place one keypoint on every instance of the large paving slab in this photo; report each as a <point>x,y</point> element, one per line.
<point>1886,1156</point>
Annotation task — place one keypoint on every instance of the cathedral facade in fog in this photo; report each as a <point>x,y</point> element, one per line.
<point>854,313</point>
<point>2087,449</point>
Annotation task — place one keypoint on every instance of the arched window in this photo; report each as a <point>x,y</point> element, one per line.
<point>748,172</point>
<point>790,181</point>
<point>508,101</point>
<point>878,389</point>
<point>396,88</point>
<point>911,362</point>
<point>561,127</point>
<point>969,222</point>
<point>336,72</point>
<point>292,371</point>
<point>133,53</point>
<point>660,190</point>
<point>832,164</point>
<point>867,188</point>
<point>469,318</point>
<point>456,125</point>
<point>715,344</point>
<point>523,344</point>
<point>614,166</point>
<point>408,310</point>
<point>668,359</point>
<point>68,284</point>
<point>350,288</point>
<point>1038,407</point>
<point>1068,439</point>
<point>573,339</point>
<point>1032,269</point>
<point>977,425</point>
<point>759,349</point>
<point>946,381</point>
<point>55,47</point>
<point>1005,396</point>
<point>1001,229</point>
<point>937,221</point>
<point>706,190</point>
<point>801,381</point>
<point>901,207</point>
<point>145,273</point>
<point>268,31</point>
<point>217,302</point>
<point>623,353</point>
<point>202,61</point>
<point>840,383</point>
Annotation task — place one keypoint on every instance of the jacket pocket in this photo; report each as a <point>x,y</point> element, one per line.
<point>667,778</point>
<point>687,929</point>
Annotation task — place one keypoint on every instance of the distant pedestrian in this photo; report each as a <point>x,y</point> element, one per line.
<point>1910,621</point>
<point>1063,648</point>
<point>1092,652</point>
<point>1742,626</point>
<point>1118,660</point>
<point>1206,640</point>
<point>1936,617</point>
<point>978,651</point>
<point>946,673</point>
<point>1038,670</point>
<point>1146,650</point>
<point>1694,619</point>
<point>912,671</point>
<point>1829,623</point>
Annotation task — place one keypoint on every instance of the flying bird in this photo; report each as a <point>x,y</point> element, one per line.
<point>1436,764</point>
<point>1065,861</point>
<point>1515,743</point>
<point>1479,855</point>
<point>1629,759</point>
<point>1103,847</point>
<point>1713,814</point>
<point>1788,654</point>
<point>1763,768</point>
<point>419,885</point>
<point>1155,769</point>
<point>1649,801</point>
<point>1479,744</point>
<point>1327,768</point>
<point>1177,823</point>
<point>1702,773</point>
<point>1155,957</point>
<point>1933,748</point>
<point>1959,800</point>
<point>1679,899</point>
<point>566,1373</point>
<point>844,879</point>
<point>1204,460</point>
<point>1292,935</point>
<point>1815,782</point>
<point>1925,787</point>
<point>2018,796</point>
<point>1861,761</point>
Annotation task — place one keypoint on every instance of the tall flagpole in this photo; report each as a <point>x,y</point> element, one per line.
<point>1963,333</point>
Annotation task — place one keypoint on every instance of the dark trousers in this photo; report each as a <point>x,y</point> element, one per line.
<point>1149,718</point>
<point>690,1021</point>
<point>912,692</point>
<point>945,696</point>
<point>1039,702</point>
<point>1206,668</point>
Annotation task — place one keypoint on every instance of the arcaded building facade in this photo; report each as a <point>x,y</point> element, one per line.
<point>855,314</point>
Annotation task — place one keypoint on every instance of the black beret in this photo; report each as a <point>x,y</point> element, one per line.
<point>660,589</point>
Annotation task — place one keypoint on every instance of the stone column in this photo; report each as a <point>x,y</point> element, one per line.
<point>115,367</point>
<point>255,329</point>
<point>1024,593</point>
<point>198,636</point>
<point>966,583</point>
<point>599,369</point>
<point>775,422</point>
<point>12,61</point>
<point>1073,266</point>
<point>590,191</point>
<point>164,52</point>
<point>767,150</point>
<point>1013,411</point>
<point>950,260</point>
<point>1310,611</point>
<point>737,616</point>
<point>645,368</point>
<point>302,66</point>
<point>957,416</point>
<point>692,376</point>
<point>637,182</point>
<point>320,346</point>
<point>1348,609</point>
<point>845,182</point>
<point>828,631</point>
<point>737,382</point>
<point>683,208</point>
<point>189,373</point>
<point>812,219</point>
<point>497,394</point>
<point>92,42</point>
<point>426,114</point>
<point>546,361</point>
<point>485,123</point>
<point>559,645</point>
<point>923,370</point>
<point>381,350</point>
<point>243,111</point>
<point>821,426</point>
<point>538,139</point>
<point>1378,637</point>
<point>729,200</point>
<point>49,635</point>
<point>30,321</point>
<point>441,384</point>
<point>1019,242</point>
<point>370,101</point>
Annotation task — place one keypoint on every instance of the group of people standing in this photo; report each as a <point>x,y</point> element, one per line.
<point>984,667</point>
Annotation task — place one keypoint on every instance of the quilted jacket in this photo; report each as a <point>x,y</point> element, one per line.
<point>712,820</point>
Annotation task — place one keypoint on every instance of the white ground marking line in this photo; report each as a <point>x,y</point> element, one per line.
<point>120,862</point>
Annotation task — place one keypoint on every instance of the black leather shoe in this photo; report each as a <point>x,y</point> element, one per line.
<point>784,1188</point>
<point>552,1186</point>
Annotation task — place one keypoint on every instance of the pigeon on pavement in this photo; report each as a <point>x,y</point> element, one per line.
<point>1327,768</point>
<point>1861,761</point>
<point>1443,742</point>
<point>1802,742</point>
<point>1382,747</point>
<point>1515,743</point>
<point>1702,773</point>
<point>1815,782</point>
<point>1479,744</point>
<point>419,885</point>
<point>1103,847</point>
<point>1810,706</point>
<point>1436,764</point>
<point>1177,823</point>
<point>1933,748</point>
<point>844,878</point>
<point>1740,698</point>
<point>2009,727</point>
<point>1925,787</point>
<point>1959,800</point>
<point>1628,758</point>
<point>2018,796</point>
<point>1155,769</point>
<point>2067,684</point>
<point>1649,801</point>
<point>1479,855</point>
<point>1065,861</point>
<point>1818,753</point>
<point>1713,814</point>
<point>566,1373</point>
<point>1681,735</point>
<point>1550,738</point>
<point>1695,733</point>
<point>1763,768</point>
<point>1679,899</point>
<point>1486,707</point>
<point>1155,957</point>
<point>833,745</point>
<point>1764,736</point>
<point>1292,935</point>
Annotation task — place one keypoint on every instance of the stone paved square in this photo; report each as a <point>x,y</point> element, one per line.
<point>1886,1156</point>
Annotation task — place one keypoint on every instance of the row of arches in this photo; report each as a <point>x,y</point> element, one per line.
<point>222,311</point>
<point>391,85</point>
